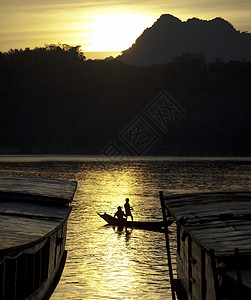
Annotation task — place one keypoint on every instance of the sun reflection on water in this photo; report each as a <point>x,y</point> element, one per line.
<point>108,263</point>
<point>118,261</point>
<point>107,187</point>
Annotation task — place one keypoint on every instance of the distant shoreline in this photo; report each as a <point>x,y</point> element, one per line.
<point>70,157</point>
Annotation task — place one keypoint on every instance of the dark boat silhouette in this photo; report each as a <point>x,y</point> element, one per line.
<point>155,225</point>
<point>213,258</point>
<point>33,225</point>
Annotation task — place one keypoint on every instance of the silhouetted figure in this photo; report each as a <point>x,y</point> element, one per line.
<point>128,209</point>
<point>119,214</point>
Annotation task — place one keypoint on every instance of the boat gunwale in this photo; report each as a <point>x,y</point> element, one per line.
<point>36,198</point>
<point>203,194</point>
<point>15,249</point>
<point>34,195</point>
<point>136,224</point>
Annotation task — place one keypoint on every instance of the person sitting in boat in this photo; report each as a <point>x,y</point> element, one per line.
<point>128,209</point>
<point>119,214</point>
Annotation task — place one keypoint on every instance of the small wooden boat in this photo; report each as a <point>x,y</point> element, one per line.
<point>33,224</point>
<point>213,244</point>
<point>133,224</point>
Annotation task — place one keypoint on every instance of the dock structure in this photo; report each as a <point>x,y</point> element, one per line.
<point>213,244</point>
<point>33,225</point>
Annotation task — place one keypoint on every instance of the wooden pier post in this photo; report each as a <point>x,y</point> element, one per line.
<point>167,244</point>
<point>237,265</point>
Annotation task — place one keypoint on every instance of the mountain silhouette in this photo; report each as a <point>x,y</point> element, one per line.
<point>169,37</point>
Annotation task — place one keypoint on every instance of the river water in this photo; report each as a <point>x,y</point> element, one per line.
<point>104,262</point>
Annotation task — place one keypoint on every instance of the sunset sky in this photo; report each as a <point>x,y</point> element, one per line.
<point>103,25</point>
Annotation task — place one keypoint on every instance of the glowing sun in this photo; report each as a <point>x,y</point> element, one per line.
<point>115,32</point>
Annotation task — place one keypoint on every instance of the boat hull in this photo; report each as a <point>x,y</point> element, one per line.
<point>194,268</point>
<point>33,237</point>
<point>47,287</point>
<point>32,273</point>
<point>213,244</point>
<point>133,224</point>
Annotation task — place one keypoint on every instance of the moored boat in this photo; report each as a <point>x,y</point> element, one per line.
<point>213,244</point>
<point>33,224</point>
<point>133,224</point>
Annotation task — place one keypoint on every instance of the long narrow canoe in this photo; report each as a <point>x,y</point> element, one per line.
<point>133,224</point>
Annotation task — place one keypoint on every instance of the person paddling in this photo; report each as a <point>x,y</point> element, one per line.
<point>128,209</point>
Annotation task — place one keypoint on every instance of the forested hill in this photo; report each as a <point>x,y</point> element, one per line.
<point>54,101</point>
<point>169,37</point>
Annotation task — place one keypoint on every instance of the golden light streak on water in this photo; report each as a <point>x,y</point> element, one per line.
<point>107,263</point>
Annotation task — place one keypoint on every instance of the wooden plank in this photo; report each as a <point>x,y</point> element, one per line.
<point>196,273</point>
<point>43,187</point>
<point>219,231</point>
<point>222,249</point>
<point>216,243</point>
<point>18,231</point>
<point>204,211</point>
<point>218,225</point>
<point>221,237</point>
<point>32,209</point>
<point>201,209</point>
<point>182,273</point>
<point>228,235</point>
<point>207,198</point>
<point>229,243</point>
